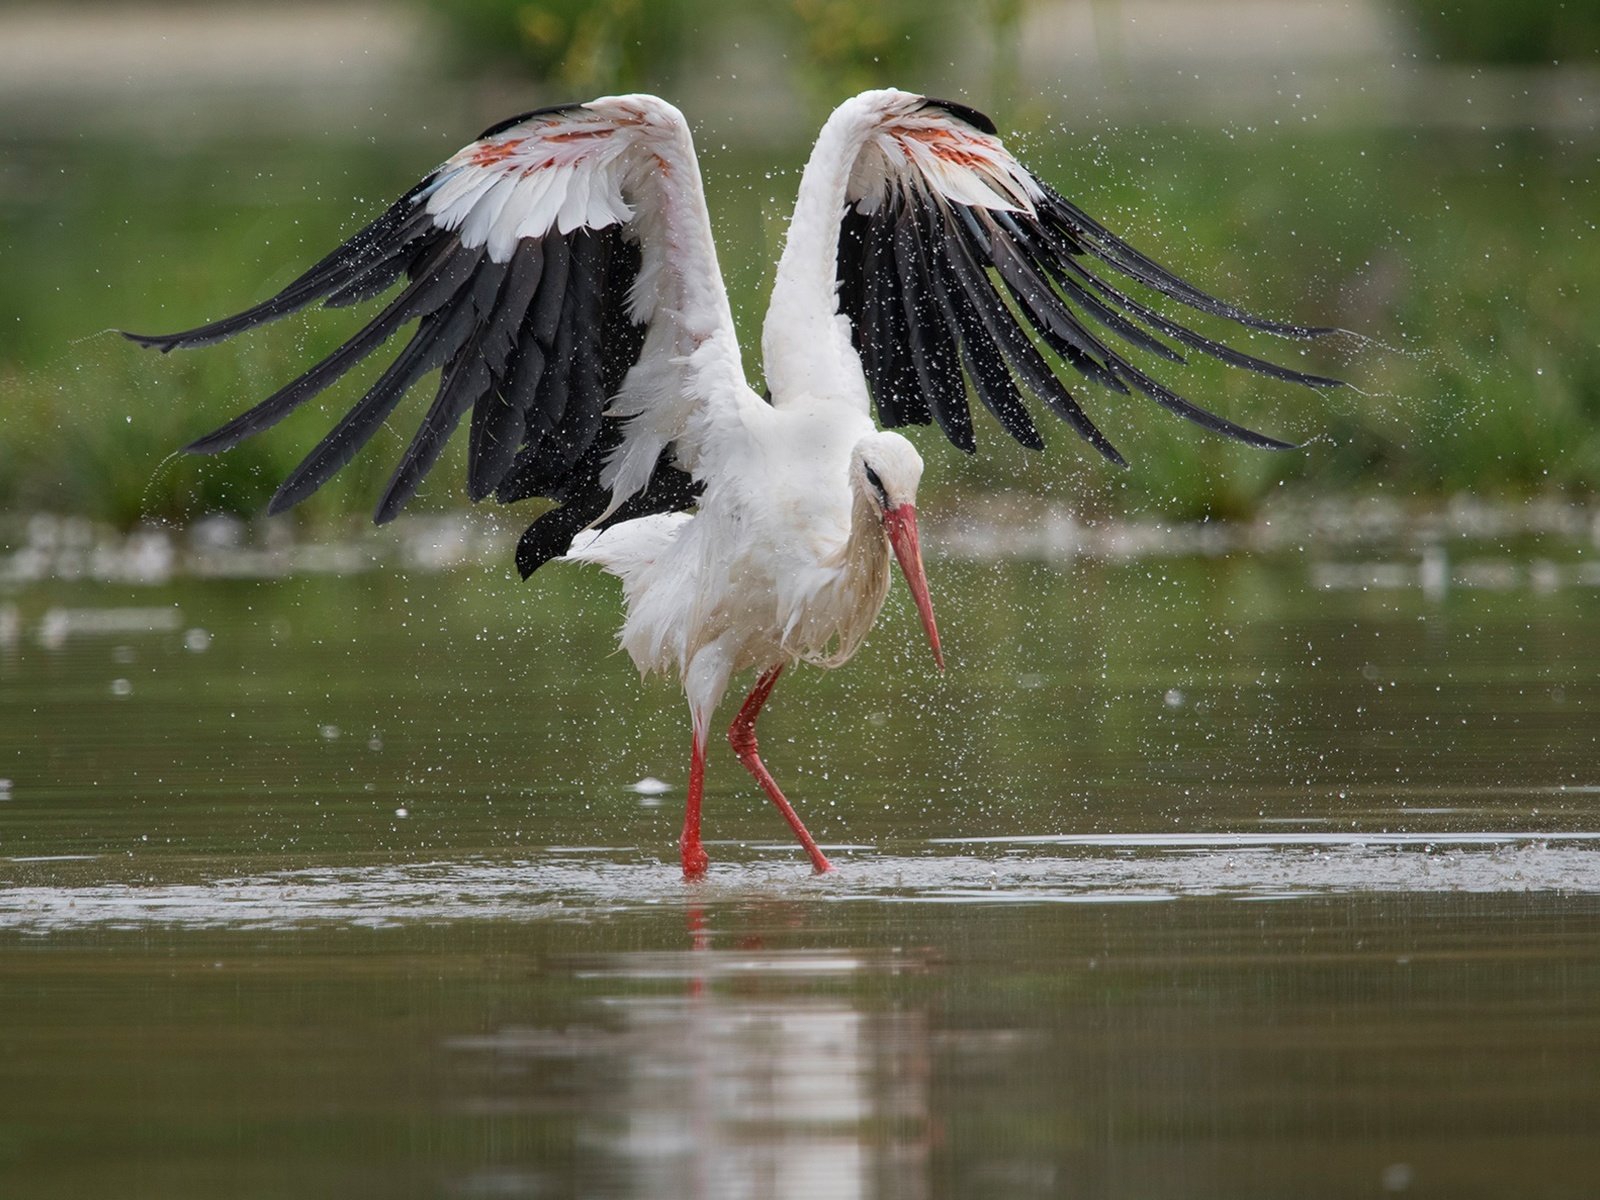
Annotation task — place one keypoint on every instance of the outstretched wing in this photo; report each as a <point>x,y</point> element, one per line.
<point>558,269</point>
<point>951,252</point>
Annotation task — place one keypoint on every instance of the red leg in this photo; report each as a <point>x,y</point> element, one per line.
<point>694,854</point>
<point>742,737</point>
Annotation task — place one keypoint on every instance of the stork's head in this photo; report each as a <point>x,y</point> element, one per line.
<point>884,472</point>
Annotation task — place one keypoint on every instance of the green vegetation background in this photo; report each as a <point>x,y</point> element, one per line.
<point>1470,261</point>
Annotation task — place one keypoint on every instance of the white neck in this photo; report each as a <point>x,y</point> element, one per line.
<point>861,584</point>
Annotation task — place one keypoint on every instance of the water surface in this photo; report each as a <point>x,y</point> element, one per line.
<point>1244,876</point>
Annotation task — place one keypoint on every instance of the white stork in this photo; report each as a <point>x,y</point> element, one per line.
<point>561,274</point>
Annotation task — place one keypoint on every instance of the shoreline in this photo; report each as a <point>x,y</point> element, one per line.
<point>1348,543</point>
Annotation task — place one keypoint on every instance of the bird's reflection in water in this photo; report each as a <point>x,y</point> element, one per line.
<point>715,1071</point>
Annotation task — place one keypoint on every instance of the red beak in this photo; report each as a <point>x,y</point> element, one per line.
<point>901,525</point>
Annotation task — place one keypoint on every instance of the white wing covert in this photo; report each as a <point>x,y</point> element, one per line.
<point>935,203</point>
<point>559,270</point>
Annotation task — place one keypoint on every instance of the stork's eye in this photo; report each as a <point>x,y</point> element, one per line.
<point>877,486</point>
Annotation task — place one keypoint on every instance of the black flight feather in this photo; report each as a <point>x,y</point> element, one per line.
<point>1111,249</point>
<point>1197,341</point>
<point>1034,297</point>
<point>356,427</point>
<point>1037,253</point>
<point>899,374</point>
<point>497,423</point>
<point>543,398</point>
<point>982,358</point>
<point>551,404</point>
<point>1050,319</point>
<point>622,339</point>
<point>872,325</point>
<point>536,469</point>
<point>1173,402</point>
<point>408,246</point>
<point>437,337</point>
<point>1019,352</point>
<point>586,394</point>
<point>444,272</point>
<point>936,370</point>
<point>466,380</point>
<point>851,276</point>
<point>345,262</point>
<point>962,112</point>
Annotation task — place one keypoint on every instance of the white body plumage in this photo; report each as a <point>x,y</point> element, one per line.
<point>785,560</point>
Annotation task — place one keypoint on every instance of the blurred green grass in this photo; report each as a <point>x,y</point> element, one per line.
<point>1471,262</point>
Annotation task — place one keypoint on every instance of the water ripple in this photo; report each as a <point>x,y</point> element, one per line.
<point>585,885</point>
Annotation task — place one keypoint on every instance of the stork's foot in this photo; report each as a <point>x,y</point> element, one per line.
<point>695,859</point>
